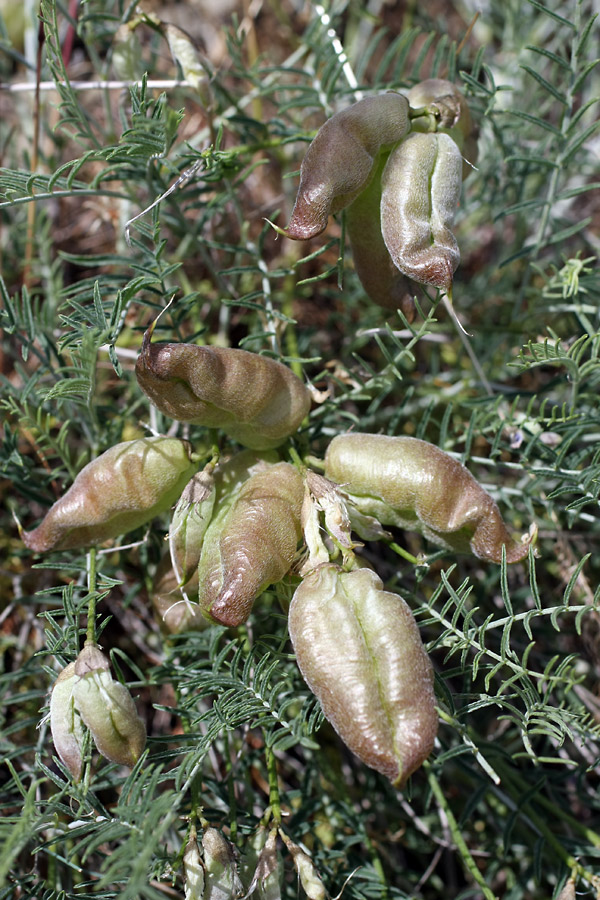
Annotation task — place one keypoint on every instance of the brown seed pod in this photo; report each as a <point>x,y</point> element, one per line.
<point>122,489</point>
<point>382,281</point>
<point>340,161</point>
<point>360,652</point>
<point>421,186</point>
<point>256,400</point>
<point>412,484</point>
<point>454,117</point>
<point>250,543</point>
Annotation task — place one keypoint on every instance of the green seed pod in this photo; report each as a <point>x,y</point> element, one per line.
<point>190,521</point>
<point>453,112</point>
<point>360,652</point>
<point>122,489</point>
<point>380,278</point>
<point>256,400</point>
<point>221,878</point>
<point>65,722</point>
<point>250,543</point>
<point>107,709</point>
<point>340,161</point>
<point>421,186</point>
<point>412,484</point>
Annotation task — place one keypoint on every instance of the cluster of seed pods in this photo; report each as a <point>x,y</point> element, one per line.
<point>244,522</point>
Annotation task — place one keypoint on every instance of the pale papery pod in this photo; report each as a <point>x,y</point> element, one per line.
<point>222,881</point>
<point>381,279</point>
<point>65,722</point>
<point>454,115</point>
<point>251,543</point>
<point>412,484</point>
<point>266,880</point>
<point>308,875</point>
<point>122,489</point>
<point>340,161</point>
<point>360,652</point>
<point>184,51</point>
<point>108,710</point>
<point>420,190</point>
<point>193,870</point>
<point>255,400</point>
<point>190,519</point>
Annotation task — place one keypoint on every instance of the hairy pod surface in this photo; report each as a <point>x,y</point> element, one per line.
<point>122,489</point>
<point>381,279</point>
<point>421,186</point>
<point>340,160</point>
<point>107,708</point>
<point>409,483</point>
<point>189,522</point>
<point>360,652</point>
<point>250,543</point>
<point>65,722</point>
<point>454,115</point>
<point>256,400</point>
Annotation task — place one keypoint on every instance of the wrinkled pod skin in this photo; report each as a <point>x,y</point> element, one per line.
<point>256,400</point>
<point>409,483</point>
<point>382,281</point>
<point>454,116</point>
<point>421,186</point>
<point>360,652</point>
<point>340,160</point>
<point>124,488</point>
<point>250,543</point>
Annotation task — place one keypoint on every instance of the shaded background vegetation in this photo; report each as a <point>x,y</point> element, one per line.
<point>508,806</point>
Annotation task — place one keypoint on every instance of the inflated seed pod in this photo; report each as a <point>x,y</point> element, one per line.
<point>256,400</point>
<point>409,483</point>
<point>122,489</point>
<point>107,708</point>
<point>222,881</point>
<point>382,281</point>
<point>454,116</point>
<point>421,186</point>
<point>360,652</point>
<point>65,722</point>
<point>250,543</point>
<point>340,161</point>
<point>189,522</point>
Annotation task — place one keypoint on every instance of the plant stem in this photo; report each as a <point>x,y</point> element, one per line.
<point>91,615</point>
<point>274,799</point>
<point>468,861</point>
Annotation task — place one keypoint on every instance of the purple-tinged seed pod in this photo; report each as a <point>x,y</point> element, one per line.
<point>412,484</point>
<point>250,543</point>
<point>256,400</point>
<point>124,488</point>
<point>340,161</point>
<point>421,186</point>
<point>360,652</point>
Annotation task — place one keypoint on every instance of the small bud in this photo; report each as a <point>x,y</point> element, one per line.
<point>65,722</point>
<point>411,484</point>
<point>340,161</point>
<point>256,400</point>
<point>377,693</point>
<point>107,709</point>
<point>122,489</point>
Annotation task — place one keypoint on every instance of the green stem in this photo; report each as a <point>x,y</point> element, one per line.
<point>402,552</point>
<point>90,637</point>
<point>230,791</point>
<point>274,799</point>
<point>468,861</point>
